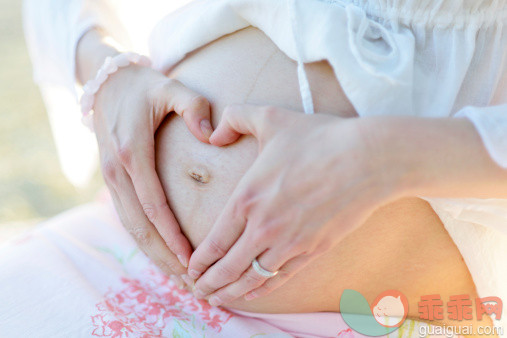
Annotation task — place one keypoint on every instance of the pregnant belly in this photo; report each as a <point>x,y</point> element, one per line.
<point>402,246</point>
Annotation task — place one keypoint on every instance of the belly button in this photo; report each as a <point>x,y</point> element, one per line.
<point>199,174</point>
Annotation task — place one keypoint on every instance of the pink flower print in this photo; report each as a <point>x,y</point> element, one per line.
<point>119,329</point>
<point>215,322</point>
<point>145,308</point>
<point>101,328</point>
<point>141,298</point>
<point>23,238</point>
<point>348,333</point>
<point>172,299</point>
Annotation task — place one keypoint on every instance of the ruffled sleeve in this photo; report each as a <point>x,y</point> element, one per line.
<point>491,123</point>
<point>53,29</point>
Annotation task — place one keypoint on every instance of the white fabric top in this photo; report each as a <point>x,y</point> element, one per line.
<point>433,58</point>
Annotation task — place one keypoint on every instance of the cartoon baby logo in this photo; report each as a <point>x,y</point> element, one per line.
<point>390,308</point>
<point>387,312</point>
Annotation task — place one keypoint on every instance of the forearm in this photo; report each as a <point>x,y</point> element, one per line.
<point>91,52</point>
<point>438,157</point>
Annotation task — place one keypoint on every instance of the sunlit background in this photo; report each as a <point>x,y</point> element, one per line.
<point>32,186</point>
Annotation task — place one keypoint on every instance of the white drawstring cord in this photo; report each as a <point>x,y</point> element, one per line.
<point>304,85</point>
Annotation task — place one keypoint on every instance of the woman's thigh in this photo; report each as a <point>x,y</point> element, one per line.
<point>402,246</point>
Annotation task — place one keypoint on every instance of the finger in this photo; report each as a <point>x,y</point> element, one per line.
<point>118,206</point>
<point>230,268</point>
<point>286,272</point>
<point>226,230</point>
<point>250,280</point>
<point>194,108</point>
<point>139,162</point>
<point>271,260</point>
<point>178,281</point>
<point>237,120</point>
<point>143,231</point>
<point>165,268</point>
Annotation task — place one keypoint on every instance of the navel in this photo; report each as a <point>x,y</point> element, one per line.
<point>199,174</point>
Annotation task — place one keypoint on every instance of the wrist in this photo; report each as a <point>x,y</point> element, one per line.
<point>436,157</point>
<point>414,151</point>
<point>409,155</point>
<point>110,66</point>
<point>91,51</point>
<point>387,151</point>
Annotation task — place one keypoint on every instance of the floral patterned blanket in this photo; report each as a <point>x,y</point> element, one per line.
<point>81,275</point>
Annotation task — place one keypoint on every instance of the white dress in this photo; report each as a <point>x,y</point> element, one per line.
<point>428,58</point>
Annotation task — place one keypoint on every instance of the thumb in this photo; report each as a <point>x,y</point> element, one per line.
<point>193,107</point>
<point>237,120</point>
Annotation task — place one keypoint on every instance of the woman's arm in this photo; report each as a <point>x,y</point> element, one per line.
<point>67,39</point>
<point>439,157</point>
<point>128,109</point>
<point>91,52</point>
<point>316,170</point>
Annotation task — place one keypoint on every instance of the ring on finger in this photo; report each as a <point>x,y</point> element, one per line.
<point>261,271</point>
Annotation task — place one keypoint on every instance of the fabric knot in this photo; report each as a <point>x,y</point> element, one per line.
<point>372,45</point>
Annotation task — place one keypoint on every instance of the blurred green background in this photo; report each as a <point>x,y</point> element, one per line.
<point>32,186</point>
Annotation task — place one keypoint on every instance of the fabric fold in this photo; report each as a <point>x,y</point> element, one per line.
<point>491,123</point>
<point>366,58</point>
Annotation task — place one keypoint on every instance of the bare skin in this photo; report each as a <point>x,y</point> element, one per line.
<point>402,246</point>
<point>128,108</point>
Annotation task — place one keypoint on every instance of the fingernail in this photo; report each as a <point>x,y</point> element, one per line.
<point>214,301</point>
<point>206,128</point>
<point>199,294</point>
<point>183,261</point>
<point>194,274</point>
<point>176,280</point>
<point>189,281</point>
<point>251,295</point>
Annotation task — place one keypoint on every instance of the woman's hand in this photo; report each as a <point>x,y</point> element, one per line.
<point>129,107</point>
<point>316,179</point>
